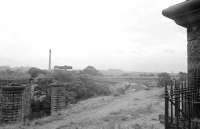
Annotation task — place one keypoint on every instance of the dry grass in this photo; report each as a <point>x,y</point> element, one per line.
<point>133,110</point>
<point>113,126</point>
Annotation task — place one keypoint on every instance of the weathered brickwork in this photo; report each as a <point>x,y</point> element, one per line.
<point>194,56</point>
<point>57,97</point>
<point>15,103</point>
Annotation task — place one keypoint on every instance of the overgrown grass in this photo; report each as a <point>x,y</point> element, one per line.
<point>112,126</point>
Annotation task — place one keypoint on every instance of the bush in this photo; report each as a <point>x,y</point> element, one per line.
<point>163,79</point>
<point>90,70</point>
<point>13,75</point>
<point>83,88</point>
<point>94,87</point>
<point>182,76</point>
<point>64,76</point>
<point>34,72</point>
<point>119,91</point>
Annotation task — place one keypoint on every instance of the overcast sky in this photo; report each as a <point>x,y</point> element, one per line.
<point>130,35</point>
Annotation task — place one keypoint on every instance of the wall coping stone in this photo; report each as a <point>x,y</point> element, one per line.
<point>185,14</point>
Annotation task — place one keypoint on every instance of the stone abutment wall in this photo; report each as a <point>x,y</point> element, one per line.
<point>193,47</point>
<point>57,98</point>
<point>14,103</point>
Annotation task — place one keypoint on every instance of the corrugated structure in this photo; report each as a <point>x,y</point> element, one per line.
<point>14,102</point>
<point>57,91</point>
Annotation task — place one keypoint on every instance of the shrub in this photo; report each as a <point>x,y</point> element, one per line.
<point>118,91</point>
<point>182,76</point>
<point>64,76</point>
<point>90,70</point>
<point>13,75</point>
<point>163,79</point>
<point>34,72</point>
<point>84,87</point>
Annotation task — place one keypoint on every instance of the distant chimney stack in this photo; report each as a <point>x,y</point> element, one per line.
<point>49,59</point>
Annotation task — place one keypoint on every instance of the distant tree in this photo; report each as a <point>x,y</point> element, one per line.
<point>34,72</point>
<point>64,76</point>
<point>146,75</point>
<point>163,79</point>
<point>3,68</point>
<point>182,76</point>
<point>91,71</point>
<point>14,75</point>
<point>126,74</point>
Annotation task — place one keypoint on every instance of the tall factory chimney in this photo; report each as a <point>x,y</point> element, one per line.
<point>49,59</point>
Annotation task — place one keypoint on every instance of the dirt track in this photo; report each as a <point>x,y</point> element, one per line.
<point>133,110</point>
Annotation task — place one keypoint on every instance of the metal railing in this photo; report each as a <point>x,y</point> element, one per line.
<point>182,106</point>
